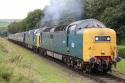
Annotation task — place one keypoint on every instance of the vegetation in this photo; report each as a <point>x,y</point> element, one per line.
<point>32,21</point>
<point>3,28</point>
<point>120,67</point>
<point>121,51</point>
<point>110,13</point>
<point>3,25</point>
<point>18,65</point>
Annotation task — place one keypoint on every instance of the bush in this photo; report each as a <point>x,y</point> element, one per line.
<point>7,75</point>
<point>15,59</point>
<point>5,72</point>
<point>121,51</point>
<point>20,79</point>
<point>3,48</point>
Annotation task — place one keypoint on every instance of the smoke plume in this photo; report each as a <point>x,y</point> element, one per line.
<point>60,9</point>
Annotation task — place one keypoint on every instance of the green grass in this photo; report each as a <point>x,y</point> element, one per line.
<point>120,66</point>
<point>19,65</point>
<point>121,50</point>
<point>121,46</point>
<point>4,24</point>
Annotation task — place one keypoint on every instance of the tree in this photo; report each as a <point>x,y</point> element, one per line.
<point>32,21</point>
<point>110,12</point>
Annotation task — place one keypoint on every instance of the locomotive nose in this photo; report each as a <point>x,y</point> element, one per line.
<point>102,52</point>
<point>98,43</point>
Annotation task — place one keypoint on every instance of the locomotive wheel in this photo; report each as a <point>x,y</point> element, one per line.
<point>41,51</point>
<point>105,71</point>
<point>88,69</point>
<point>44,52</point>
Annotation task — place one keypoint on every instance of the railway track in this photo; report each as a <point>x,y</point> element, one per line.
<point>98,77</point>
<point>109,78</point>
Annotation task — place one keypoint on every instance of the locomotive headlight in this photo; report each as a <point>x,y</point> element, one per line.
<point>108,38</point>
<point>96,38</point>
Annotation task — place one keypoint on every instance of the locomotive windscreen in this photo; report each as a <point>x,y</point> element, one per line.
<point>102,38</point>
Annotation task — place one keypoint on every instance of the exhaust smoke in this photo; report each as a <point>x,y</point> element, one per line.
<point>62,12</point>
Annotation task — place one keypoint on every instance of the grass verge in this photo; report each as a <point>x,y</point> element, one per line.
<point>18,65</point>
<point>120,66</point>
<point>3,25</point>
<point>121,51</point>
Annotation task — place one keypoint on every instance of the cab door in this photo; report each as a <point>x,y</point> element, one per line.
<point>71,39</point>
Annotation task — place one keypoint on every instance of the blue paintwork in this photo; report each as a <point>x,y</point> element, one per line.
<point>61,41</point>
<point>76,44</point>
<point>30,38</point>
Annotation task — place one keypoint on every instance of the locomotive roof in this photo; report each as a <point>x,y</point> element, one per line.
<point>86,20</point>
<point>81,23</point>
<point>77,22</point>
<point>89,23</point>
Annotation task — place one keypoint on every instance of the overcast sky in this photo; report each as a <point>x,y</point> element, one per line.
<point>18,9</point>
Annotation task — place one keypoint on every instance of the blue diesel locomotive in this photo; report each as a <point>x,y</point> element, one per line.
<point>85,45</point>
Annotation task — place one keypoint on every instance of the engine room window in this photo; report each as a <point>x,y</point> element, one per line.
<point>102,38</point>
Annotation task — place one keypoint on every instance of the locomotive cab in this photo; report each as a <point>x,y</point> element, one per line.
<point>95,44</point>
<point>99,46</point>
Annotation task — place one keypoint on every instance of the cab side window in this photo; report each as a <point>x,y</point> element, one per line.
<point>72,28</point>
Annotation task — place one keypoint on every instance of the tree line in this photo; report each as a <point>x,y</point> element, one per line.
<point>110,12</point>
<point>32,21</point>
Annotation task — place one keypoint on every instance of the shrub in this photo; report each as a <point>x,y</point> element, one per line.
<point>15,59</point>
<point>5,72</point>
<point>121,51</point>
<point>2,47</point>
<point>19,79</point>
